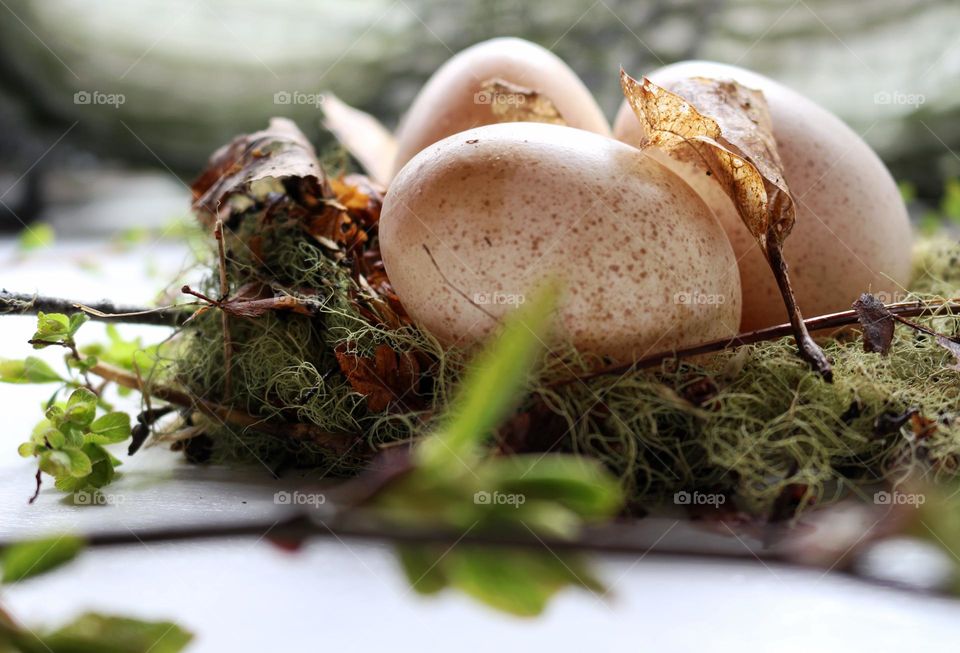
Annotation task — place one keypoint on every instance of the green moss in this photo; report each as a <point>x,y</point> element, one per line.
<point>751,422</point>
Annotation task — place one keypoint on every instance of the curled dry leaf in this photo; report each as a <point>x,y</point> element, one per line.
<point>280,151</point>
<point>362,135</point>
<point>878,321</point>
<point>514,103</point>
<point>725,129</point>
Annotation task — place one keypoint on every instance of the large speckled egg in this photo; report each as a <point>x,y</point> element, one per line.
<point>452,101</point>
<point>852,233</point>
<point>471,224</point>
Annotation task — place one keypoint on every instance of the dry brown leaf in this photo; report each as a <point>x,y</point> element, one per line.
<point>877,323</point>
<point>514,103</point>
<point>362,135</point>
<point>725,129</point>
<point>280,151</point>
<point>386,378</point>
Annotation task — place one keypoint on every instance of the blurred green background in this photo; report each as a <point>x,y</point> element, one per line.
<point>96,96</point>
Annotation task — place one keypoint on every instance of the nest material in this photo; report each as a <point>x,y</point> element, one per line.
<point>754,422</point>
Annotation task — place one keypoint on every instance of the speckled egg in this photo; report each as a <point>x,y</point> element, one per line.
<point>852,233</point>
<point>474,222</point>
<point>452,101</point>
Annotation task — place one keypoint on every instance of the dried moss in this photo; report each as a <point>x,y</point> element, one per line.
<point>752,423</point>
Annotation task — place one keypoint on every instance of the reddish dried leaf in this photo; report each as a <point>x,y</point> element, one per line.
<point>386,378</point>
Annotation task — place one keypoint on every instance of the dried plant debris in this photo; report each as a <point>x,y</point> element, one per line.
<point>878,323</point>
<point>725,129</point>
<point>514,103</point>
<point>362,135</point>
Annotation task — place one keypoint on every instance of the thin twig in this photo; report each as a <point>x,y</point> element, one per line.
<point>27,304</point>
<point>829,321</point>
<point>224,317</point>
<point>634,540</point>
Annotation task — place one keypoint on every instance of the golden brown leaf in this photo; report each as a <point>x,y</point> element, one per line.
<point>725,129</point>
<point>513,103</point>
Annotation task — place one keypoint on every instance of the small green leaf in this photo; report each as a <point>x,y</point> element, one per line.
<point>76,321</point>
<point>97,633</point>
<point>80,464</point>
<point>53,438</point>
<point>55,463</point>
<point>491,386</point>
<point>27,559</point>
<point>516,581</point>
<point>110,428</point>
<point>29,370</point>
<point>27,449</point>
<point>950,205</point>
<point>422,568</point>
<point>101,474</point>
<point>81,407</point>
<point>581,484</point>
<point>36,236</point>
<point>51,328</point>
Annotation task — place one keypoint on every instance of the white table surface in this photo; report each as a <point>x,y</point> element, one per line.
<point>243,595</point>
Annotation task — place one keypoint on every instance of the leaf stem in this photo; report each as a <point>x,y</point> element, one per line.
<point>810,351</point>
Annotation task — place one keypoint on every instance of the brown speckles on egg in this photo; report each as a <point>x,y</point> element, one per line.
<point>536,213</point>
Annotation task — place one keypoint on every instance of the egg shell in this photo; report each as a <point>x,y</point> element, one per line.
<point>645,265</point>
<point>852,232</point>
<point>448,103</point>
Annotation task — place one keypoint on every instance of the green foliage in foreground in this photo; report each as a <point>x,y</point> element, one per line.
<point>455,484</point>
<point>69,443</point>
<point>89,633</point>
